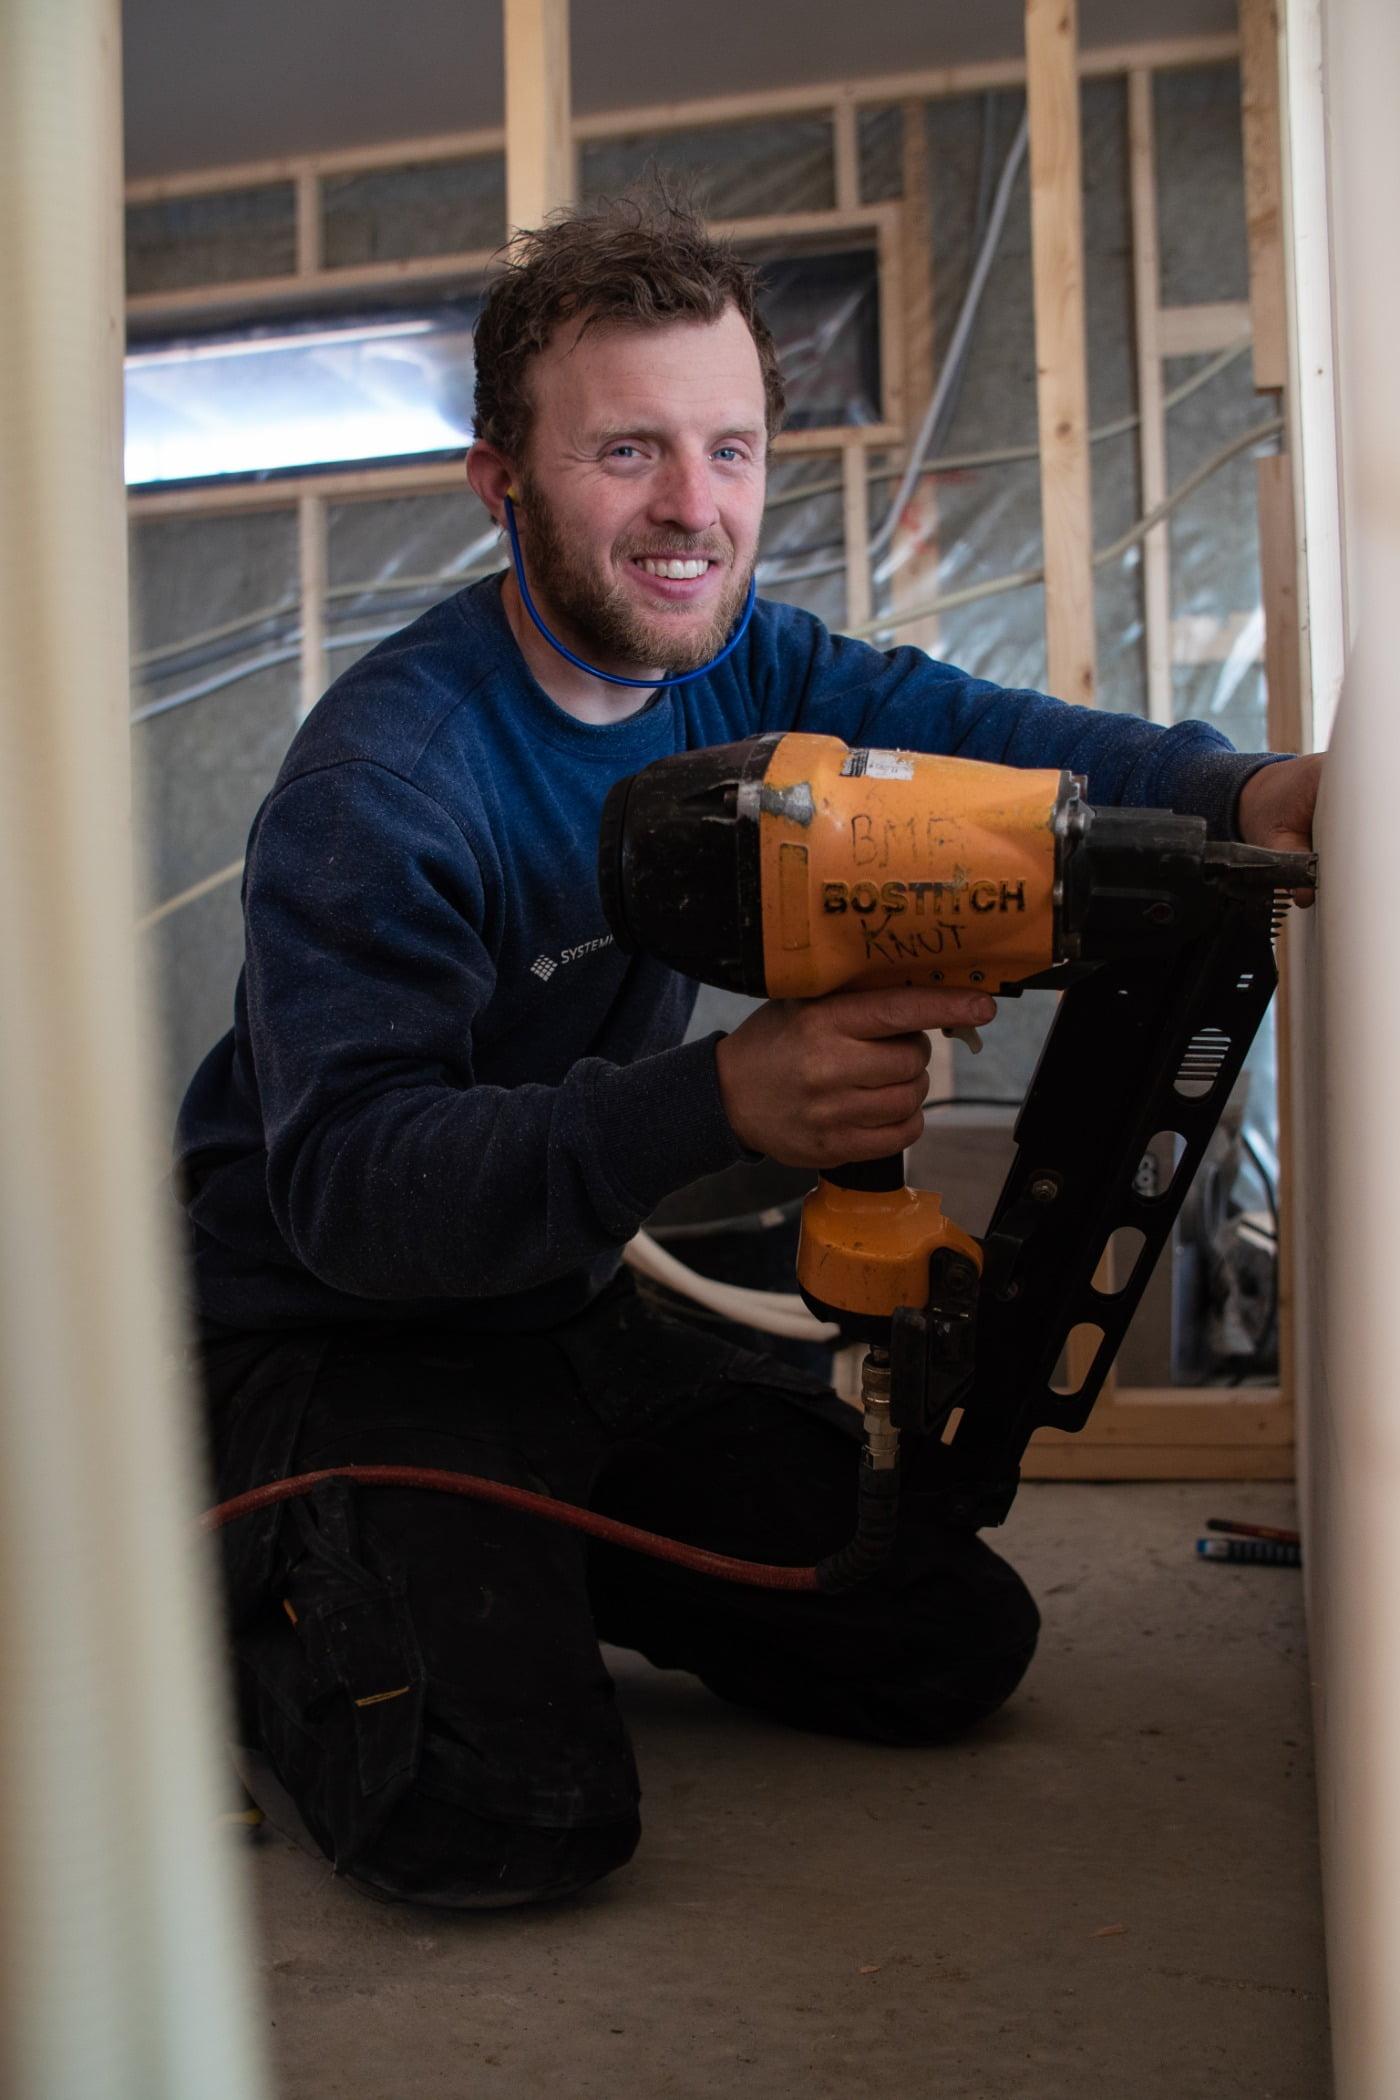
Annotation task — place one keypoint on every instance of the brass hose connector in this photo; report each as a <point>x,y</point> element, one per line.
<point>869,1551</point>
<point>881,1437</point>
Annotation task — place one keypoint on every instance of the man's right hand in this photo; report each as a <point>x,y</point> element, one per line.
<point>822,1082</point>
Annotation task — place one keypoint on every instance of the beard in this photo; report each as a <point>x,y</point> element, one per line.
<point>602,616</point>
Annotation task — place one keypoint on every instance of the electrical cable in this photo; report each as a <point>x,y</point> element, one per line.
<point>249,668</point>
<point>1006,455</point>
<point>968,595</point>
<point>190,642</point>
<point>1020,578</point>
<point>416,594</point>
<point>1010,455</point>
<point>981,213</point>
<point>192,895</point>
<point>1251,1153</point>
<point>217,647</point>
<point>962,331</point>
<point>171,653</point>
<point>364,639</point>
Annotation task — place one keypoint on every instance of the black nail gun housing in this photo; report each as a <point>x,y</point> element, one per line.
<point>678,863</point>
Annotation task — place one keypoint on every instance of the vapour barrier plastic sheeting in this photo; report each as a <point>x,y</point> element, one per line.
<point>202,768</point>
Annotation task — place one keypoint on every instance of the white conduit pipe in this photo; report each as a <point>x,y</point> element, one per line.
<point>773,1312</point>
<point>125,1970</point>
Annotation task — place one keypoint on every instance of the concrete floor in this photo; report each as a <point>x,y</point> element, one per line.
<point>1112,1890</point>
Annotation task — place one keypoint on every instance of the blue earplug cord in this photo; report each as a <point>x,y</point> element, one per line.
<point>646,684</point>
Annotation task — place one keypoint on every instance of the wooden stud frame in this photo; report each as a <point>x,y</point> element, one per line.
<point>1152,425</point>
<point>1062,383</point>
<point>539,142</point>
<point>1134,1433</point>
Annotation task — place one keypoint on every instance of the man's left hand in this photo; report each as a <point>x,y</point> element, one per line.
<point>1276,809</point>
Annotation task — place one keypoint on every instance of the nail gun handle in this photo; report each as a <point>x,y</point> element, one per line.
<point>871,1174</point>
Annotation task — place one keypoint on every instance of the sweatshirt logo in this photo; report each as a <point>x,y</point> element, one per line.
<point>544,966</point>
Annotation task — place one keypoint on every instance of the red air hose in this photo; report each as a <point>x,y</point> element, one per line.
<point>755,1574</point>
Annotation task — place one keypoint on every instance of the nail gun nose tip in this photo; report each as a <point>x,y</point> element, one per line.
<point>1296,873</point>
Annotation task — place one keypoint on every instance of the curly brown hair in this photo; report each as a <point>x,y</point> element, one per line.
<point>644,259</point>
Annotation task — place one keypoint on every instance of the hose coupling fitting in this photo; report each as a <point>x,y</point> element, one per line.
<point>881,1437</point>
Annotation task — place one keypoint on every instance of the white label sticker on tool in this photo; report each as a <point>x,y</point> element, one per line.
<point>878,765</point>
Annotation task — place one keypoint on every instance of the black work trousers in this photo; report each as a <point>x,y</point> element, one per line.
<point>421,1673</point>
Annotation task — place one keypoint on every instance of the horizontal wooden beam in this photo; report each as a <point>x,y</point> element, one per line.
<point>350,484</point>
<point>878,222</point>
<point>924,84</point>
<point>872,437</point>
<point>927,83</point>
<point>808,226</point>
<point>1054,1456</point>
<point>1172,1433</point>
<point>1195,331</point>
<point>296,288</point>
<point>477,144</point>
<point>212,499</point>
<point>1228,1414</point>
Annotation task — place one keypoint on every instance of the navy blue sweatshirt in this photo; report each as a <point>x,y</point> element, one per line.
<point>446,1094</point>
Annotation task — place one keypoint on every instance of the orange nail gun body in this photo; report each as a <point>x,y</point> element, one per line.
<point>790,866</point>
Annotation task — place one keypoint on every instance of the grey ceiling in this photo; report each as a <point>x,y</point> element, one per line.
<point>209,81</point>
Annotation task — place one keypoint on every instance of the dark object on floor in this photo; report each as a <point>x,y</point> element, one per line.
<point>1264,1553</point>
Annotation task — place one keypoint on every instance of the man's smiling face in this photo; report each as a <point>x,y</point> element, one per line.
<point>641,494</point>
